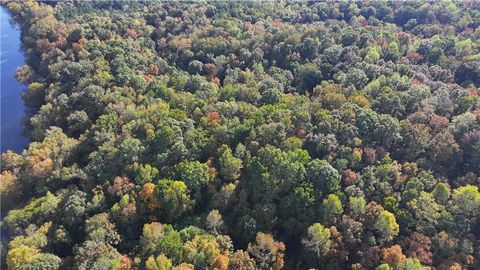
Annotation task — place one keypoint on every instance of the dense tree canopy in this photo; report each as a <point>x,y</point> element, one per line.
<point>246,135</point>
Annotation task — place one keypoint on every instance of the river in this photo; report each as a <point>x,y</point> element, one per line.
<point>12,106</point>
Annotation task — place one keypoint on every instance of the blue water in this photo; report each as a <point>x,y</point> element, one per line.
<point>12,107</point>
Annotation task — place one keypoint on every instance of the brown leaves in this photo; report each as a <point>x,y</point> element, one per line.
<point>240,260</point>
<point>267,251</point>
<point>125,263</point>
<point>149,196</point>
<point>121,185</point>
<point>40,163</point>
<point>153,231</point>
<point>393,256</point>
<point>130,33</point>
<point>349,177</point>
<point>220,262</point>
<point>418,246</point>
<point>213,117</point>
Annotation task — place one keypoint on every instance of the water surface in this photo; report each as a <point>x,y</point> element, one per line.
<point>12,106</point>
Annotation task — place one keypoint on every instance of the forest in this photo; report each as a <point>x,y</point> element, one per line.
<point>178,135</point>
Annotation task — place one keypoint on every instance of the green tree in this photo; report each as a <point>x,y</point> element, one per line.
<point>37,209</point>
<point>130,151</point>
<point>466,200</point>
<point>392,53</point>
<point>357,206</point>
<point>229,165</point>
<point>42,261</point>
<point>276,172</point>
<point>74,208</point>
<point>331,208</point>
<point>195,175</point>
<point>99,228</point>
<point>383,266</point>
<point>441,193</point>
<point>372,55</point>
<point>195,67</point>
<point>318,240</point>
<point>145,173</point>
<point>308,76</point>
<point>157,238</point>
<point>413,264</point>
<point>161,262</point>
<point>16,257</point>
<point>174,198</point>
<point>201,251</point>
<point>426,213</point>
<point>386,226</point>
<point>324,177</point>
